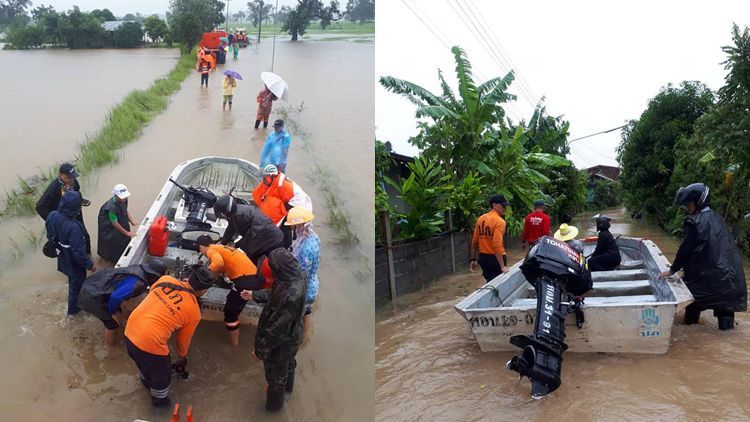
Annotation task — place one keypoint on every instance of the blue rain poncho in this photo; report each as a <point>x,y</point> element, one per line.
<point>276,149</point>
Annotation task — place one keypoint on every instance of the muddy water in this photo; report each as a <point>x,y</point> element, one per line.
<point>53,98</point>
<point>57,368</point>
<point>429,367</point>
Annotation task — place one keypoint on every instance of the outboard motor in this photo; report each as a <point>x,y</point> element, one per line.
<point>560,276</point>
<point>198,201</point>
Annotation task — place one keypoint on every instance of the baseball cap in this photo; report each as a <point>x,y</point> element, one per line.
<point>539,203</point>
<point>499,199</point>
<point>278,123</point>
<point>68,169</point>
<point>121,191</point>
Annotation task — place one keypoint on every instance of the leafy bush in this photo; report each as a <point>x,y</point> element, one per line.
<point>128,35</point>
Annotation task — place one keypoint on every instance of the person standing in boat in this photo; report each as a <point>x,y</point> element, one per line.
<point>265,101</point>
<point>67,181</point>
<point>171,305</point>
<point>104,291</point>
<point>487,245</point>
<point>710,260</point>
<point>115,224</point>
<point>280,327</point>
<point>276,148</point>
<point>275,195</point>
<point>240,271</point>
<point>535,225</point>
<point>67,231</point>
<point>259,234</point>
<point>606,256</point>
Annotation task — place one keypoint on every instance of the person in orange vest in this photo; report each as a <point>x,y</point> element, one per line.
<point>240,271</point>
<point>171,305</point>
<point>275,195</point>
<point>487,245</point>
<point>536,225</point>
<point>203,68</point>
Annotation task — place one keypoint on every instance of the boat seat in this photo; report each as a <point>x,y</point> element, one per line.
<point>593,301</point>
<point>611,288</point>
<point>185,255</point>
<point>620,275</point>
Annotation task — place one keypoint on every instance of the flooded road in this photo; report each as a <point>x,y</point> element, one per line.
<point>429,367</point>
<point>58,370</point>
<point>53,98</point>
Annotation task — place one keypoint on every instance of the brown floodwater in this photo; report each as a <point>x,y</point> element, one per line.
<point>429,367</point>
<point>57,369</point>
<point>52,98</point>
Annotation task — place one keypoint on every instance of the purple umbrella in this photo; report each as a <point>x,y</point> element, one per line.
<point>233,74</point>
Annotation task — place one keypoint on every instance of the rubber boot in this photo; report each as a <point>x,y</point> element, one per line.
<point>290,381</point>
<point>692,315</point>
<point>274,398</point>
<point>265,124</point>
<point>257,124</point>
<point>726,319</point>
<point>161,403</point>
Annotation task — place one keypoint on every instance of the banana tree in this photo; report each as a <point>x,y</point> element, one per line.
<point>455,125</point>
<point>509,169</point>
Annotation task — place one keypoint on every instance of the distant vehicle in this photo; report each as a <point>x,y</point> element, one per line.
<point>211,41</point>
<point>241,37</point>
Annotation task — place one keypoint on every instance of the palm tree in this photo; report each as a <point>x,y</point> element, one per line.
<point>457,134</point>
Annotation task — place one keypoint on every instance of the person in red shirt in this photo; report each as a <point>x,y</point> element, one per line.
<point>536,225</point>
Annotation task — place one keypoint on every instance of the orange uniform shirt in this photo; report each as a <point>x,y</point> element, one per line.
<point>229,261</point>
<point>272,200</point>
<point>164,311</point>
<point>488,234</point>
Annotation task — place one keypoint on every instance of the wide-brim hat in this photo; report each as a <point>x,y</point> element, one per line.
<point>566,232</point>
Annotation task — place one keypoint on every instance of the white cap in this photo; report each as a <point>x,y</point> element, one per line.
<point>121,191</point>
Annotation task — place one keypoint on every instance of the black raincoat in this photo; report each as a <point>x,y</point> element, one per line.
<point>259,234</point>
<point>97,288</point>
<point>63,223</point>
<point>606,256</point>
<point>50,201</point>
<point>712,264</point>
<point>279,332</point>
<point>112,243</point>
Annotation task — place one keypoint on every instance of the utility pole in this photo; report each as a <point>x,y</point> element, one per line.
<point>260,17</point>
<point>273,54</point>
<point>226,19</point>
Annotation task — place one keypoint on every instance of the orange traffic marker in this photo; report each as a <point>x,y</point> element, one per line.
<point>176,413</point>
<point>190,414</point>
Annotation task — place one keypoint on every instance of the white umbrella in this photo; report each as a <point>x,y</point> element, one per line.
<point>276,84</point>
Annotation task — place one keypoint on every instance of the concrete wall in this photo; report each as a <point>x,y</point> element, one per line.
<point>417,264</point>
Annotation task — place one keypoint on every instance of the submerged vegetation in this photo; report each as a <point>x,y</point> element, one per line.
<point>122,126</point>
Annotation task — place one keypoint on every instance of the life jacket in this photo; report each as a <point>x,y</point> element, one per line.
<point>273,199</point>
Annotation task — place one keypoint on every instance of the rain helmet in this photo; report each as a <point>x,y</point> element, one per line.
<point>270,170</point>
<point>298,215</point>
<point>225,206</point>
<point>697,193</point>
<point>602,222</point>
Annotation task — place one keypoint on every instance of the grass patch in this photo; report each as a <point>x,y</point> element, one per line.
<point>35,239</point>
<point>16,251</point>
<point>123,125</point>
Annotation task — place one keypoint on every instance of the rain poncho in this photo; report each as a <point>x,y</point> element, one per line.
<point>265,101</point>
<point>63,224</point>
<point>259,234</point>
<point>276,149</point>
<point>279,330</point>
<point>306,248</point>
<point>112,243</point>
<point>712,264</point>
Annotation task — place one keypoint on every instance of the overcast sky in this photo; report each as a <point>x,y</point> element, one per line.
<point>598,63</point>
<point>145,7</point>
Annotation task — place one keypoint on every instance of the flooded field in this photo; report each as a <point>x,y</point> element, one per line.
<point>429,367</point>
<point>56,97</point>
<point>58,369</point>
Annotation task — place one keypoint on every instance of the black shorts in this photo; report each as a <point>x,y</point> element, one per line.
<point>235,303</point>
<point>155,370</point>
<point>490,266</point>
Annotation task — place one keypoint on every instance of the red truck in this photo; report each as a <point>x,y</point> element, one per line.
<point>211,41</point>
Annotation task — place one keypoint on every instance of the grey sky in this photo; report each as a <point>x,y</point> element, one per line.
<point>145,7</point>
<point>598,63</point>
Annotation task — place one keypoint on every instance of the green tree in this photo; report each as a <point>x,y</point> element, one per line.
<point>155,28</point>
<point>186,29</point>
<point>239,16</point>
<point>299,18</point>
<point>81,30</point>
<point>128,35</point>
<point>103,15</point>
<point>458,129</point>
<point>425,192</point>
<point>647,151</point>
<point>360,10</point>
<point>23,37</point>
<point>10,10</point>
<point>208,13</point>
<point>51,23</point>
<point>259,11</point>
<point>282,14</point>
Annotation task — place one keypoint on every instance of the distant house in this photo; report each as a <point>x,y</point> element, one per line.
<point>109,29</point>
<point>608,173</point>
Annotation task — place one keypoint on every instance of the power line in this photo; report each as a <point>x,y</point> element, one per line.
<point>597,133</point>
<point>502,51</point>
